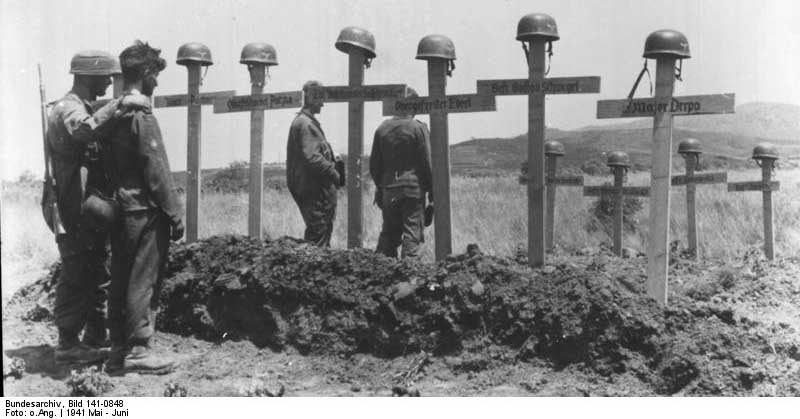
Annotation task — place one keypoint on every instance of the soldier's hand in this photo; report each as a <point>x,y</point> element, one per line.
<point>176,230</point>
<point>133,101</point>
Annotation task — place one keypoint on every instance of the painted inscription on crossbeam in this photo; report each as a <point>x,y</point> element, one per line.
<point>447,104</point>
<point>610,190</point>
<point>550,86</point>
<point>771,186</point>
<point>716,177</point>
<point>371,93</point>
<point>680,105</point>
<point>208,98</point>
<point>264,101</point>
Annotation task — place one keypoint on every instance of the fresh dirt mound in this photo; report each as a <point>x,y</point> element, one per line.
<point>582,312</point>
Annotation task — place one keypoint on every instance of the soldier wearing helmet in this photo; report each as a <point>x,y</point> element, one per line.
<point>74,138</point>
<point>401,169</point>
<point>313,172</point>
<point>150,217</point>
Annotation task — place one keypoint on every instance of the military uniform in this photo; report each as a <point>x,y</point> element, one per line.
<point>311,177</point>
<point>400,167</point>
<point>140,239</point>
<point>72,140</point>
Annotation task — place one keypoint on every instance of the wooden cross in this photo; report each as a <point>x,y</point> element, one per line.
<point>355,95</point>
<point>552,180</point>
<point>691,180</point>
<point>766,186</point>
<point>192,101</point>
<point>536,86</point>
<point>256,103</point>
<point>662,108</point>
<point>438,105</point>
<point>618,191</point>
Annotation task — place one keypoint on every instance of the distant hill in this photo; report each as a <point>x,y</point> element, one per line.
<point>775,121</point>
<point>728,141</point>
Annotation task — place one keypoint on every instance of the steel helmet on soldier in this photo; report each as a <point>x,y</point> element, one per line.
<point>194,52</point>
<point>690,146</point>
<point>355,37</point>
<point>537,25</point>
<point>666,42</point>
<point>554,148</point>
<point>765,151</point>
<point>618,159</point>
<point>259,53</point>
<point>436,46</point>
<point>94,63</point>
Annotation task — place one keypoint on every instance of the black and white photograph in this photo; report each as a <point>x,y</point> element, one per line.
<point>398,198</point>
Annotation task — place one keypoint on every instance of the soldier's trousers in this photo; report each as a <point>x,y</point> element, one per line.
<point>318,209</point>
<point>403,223</point>
<point>81,290</point>
<point>139,246</point>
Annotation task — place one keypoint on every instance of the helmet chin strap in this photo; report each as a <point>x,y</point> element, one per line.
<point>549,56</point>
<point>451,65</point>
<point>367,62</point>
<point>679,70</point>
<point>203,77</point>
<point>638,79</point>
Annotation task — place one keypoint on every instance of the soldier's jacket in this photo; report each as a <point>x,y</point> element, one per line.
<point>73,130</point>
<point>309,157</point>
<point>138,165</point>
<point>400,158</point>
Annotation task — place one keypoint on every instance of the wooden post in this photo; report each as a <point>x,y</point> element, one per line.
<point>536,210</point>
<point>769,240</point>
<point>256,184</point>
<point>552,181</point>
<point>551,162</point>
<point>660,180</point>
<point>440,156</point>
<point>618,192</point>
<point>619,203</point>
<point>766,186</point>
<point>355,151</point>
<point>193,175</point>
<point>691,215</point>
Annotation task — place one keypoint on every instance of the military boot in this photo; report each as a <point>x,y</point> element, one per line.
<point>142,360</point>
<point>71,350</point>
<point>95,335</point>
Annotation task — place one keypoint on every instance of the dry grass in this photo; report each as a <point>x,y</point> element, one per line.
<point>487,211</point>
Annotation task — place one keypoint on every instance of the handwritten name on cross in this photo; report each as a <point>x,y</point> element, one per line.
<point>666,46</point>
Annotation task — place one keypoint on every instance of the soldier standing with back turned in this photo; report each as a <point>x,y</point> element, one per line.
<point>400,167</point>
<point>74,140</point>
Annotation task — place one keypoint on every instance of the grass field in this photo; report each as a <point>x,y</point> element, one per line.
<point>488,211</point>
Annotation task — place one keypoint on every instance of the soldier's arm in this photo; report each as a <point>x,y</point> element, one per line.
<point>423,150</point>
<point>82,126</point>
<point>376,161</point>
<point>313,155</point>
<point>154,164</point>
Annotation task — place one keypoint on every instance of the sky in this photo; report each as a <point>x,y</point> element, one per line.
<point>749,47</point>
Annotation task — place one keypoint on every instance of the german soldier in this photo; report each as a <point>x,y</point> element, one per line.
<point>400,167</point>
<point>73,140</point>
<point>150,217</point>
<point>312,171</point>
